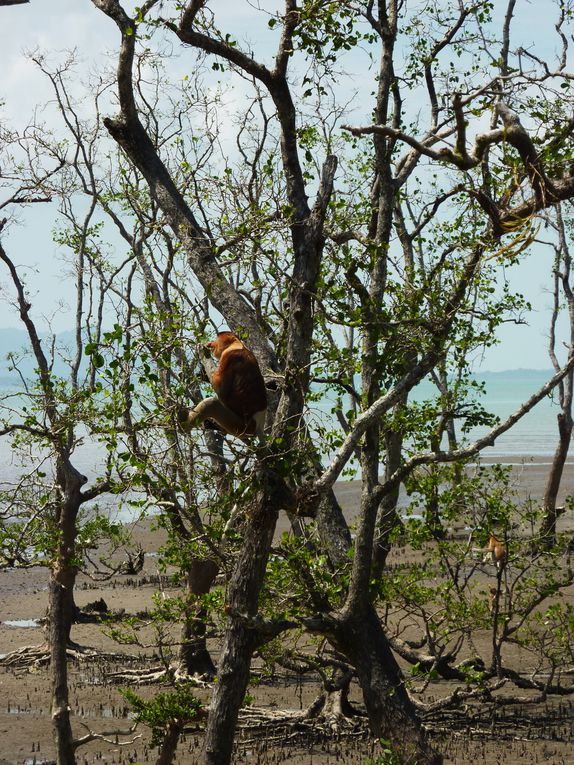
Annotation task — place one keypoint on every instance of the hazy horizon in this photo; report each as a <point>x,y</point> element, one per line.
<point>13,339</point>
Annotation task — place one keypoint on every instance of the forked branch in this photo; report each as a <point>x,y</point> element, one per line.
<point>546,191</point>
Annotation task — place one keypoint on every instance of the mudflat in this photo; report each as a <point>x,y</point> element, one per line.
<point>98,706</point>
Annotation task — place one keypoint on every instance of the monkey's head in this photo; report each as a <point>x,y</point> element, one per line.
<point>223,341</point>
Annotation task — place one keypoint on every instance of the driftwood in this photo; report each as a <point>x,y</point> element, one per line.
<point>36,656</point>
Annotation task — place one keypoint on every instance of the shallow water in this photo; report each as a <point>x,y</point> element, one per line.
<point>21,623</point>
<point>534,437</point>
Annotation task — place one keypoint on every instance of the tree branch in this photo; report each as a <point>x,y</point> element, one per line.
<point>463,161</point>
<point>488,440</point>
<point>546,191</point>
<point>109,737</point>
<point>130,134</point>
<point>208,44</point>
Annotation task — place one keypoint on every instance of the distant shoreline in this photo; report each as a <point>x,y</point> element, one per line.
<point>526,459</point>
<point>528,476</point>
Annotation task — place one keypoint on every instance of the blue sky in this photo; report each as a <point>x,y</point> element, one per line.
<point>58,25</point>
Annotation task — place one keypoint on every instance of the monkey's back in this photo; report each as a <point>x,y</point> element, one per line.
<point>239,383</point>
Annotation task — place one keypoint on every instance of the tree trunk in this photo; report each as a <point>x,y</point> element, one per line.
<point>61,608</point>
<point>432,511</point>
<point>194,658</point>
<point>562,277</point>
<point>232,680</point>
<point>59,634</point>
<point>332,705</point>
<point>551,512</point>
<point>392,715</point>
<point>333,531</point>
<point>169,744</point>
<point>241,637</point>
<point>388,515</point>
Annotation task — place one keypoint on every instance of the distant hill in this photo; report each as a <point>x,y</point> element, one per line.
<point>516,374</point>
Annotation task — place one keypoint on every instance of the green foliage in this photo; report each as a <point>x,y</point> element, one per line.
<point>177,707</point>
<point>446,595</point>
<point>299,577</point>
<point>381,303</point>
<point>325,29</point>
<point>389,755</point>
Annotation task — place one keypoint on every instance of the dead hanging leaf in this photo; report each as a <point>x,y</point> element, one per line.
<point>527,232</point>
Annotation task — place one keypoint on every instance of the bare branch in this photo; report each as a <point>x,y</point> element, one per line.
<point>109,737</point>
<point>487,440</point>
<point>462,161</point>
<point>230,53</point>
<point>130,134</point>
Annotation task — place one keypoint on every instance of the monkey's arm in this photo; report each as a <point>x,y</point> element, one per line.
<point>223,378</point>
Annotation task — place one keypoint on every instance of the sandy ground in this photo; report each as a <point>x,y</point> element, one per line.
<point>25,729</point>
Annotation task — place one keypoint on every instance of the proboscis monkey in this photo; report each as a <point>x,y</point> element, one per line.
<point>241,402</point>
<point>495,552</point>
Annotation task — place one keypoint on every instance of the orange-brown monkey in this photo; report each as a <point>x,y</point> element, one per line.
<point>496,552</point>
<point>238,381</point>
<point>241,402</point>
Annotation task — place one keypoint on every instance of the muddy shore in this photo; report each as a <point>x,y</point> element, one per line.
<point>25,729</point>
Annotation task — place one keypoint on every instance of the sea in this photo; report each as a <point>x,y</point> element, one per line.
<point>532,439</point>
<point>533,436</point>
